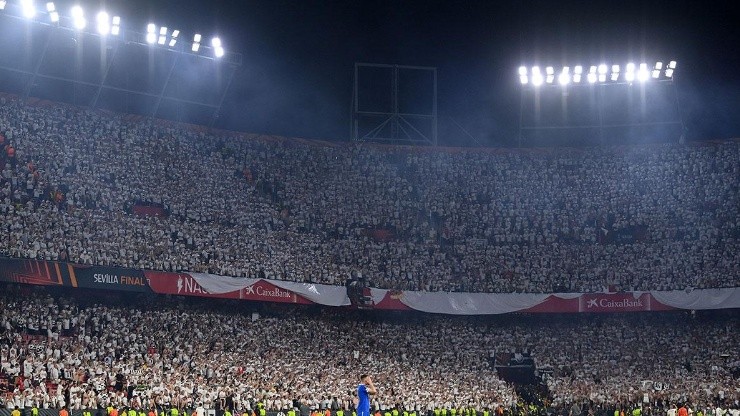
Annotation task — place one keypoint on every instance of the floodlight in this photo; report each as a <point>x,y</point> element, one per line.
<point>630,67</point>
<point>50,7</point>
<point>566,70</point>
<point>615,68</point>
<point>629,76</point>
<point>216,42</point>
<point>219,52</point>
<point>175,33</point>
<point>578,70</point>
<point>592,70</point>
<point>54,17</point>
<point>536,78</point>
<point>116,29</point>
<point>602,77</point>
<point>550,70</point>
<point>550,79</point>
<point>656,73</point>
<point>615,76</point>
<point>522,70</point>
<point>672,65</point>
<point>196,42</point>
<point>564,78</point>
<point>151,33</point>
<point>535,70</point>
<point>643,74</point>
<point>602,69</point>
<point>103,23</point>
<point>659,65</point>
<point>2,4</point>
<point>591,78</point>
<point>162,35</point>
<point>577,78</point>
<point>29,10</point>
<point>78,18</point>
<point>523,79</point>
<point>669,73</point>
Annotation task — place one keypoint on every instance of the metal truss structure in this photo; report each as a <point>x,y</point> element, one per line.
<point>609,111</point>
<point>118,73</point>
<point>394,122</point>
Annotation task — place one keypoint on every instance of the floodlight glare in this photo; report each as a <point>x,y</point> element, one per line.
<point>523,79</point>
<point>550,79</point>
<point>535,70</point>
<point>578,69</point>
<point>592,70</point>
<point>2,4</point>
<point>175,33</point>
<point>615,76</point>
<point>173,41</point>
<point>669,73</point>
<point>54,17</point>
<point>672,65</point>
<point>591,78</point>
<point>659,65</point>
<point>103,23</point>
<point>116,20</point>
<point>29,10</point>
<point>615,68</point>
<point>150,28</point>
<point>536,78</point>
<point>564,78</point>
<point>643,74</point>
<point>78,18</point>
<point>115,30</point>
<point>629,76</point>
<point>566,70</point>
<point>151,38</point>
<point>577,78</point>
<point>602,69</point>
<point>630,67</point>
<point>196,38</point>
<point>162,40</point>
<point>195,47</point>
<point>550,70</point>
<point>216,42</point>
<point>219,52</point>
<point>522,70</point>
<point>656,73</point>
<point>50,7</point>
<point>602,77</point>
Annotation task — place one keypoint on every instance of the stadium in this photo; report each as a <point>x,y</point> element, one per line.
<point>563,242</point>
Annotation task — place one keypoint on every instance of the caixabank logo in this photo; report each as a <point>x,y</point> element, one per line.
<point>614,302</point>
<point>263,290</point>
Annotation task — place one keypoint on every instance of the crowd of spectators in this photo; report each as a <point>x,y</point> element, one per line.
<point>651,217</point>
<point>120,350</point>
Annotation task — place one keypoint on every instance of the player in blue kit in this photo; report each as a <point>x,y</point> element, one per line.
<point>364,391</point>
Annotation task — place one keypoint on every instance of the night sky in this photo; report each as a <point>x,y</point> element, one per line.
<point>298,55</point>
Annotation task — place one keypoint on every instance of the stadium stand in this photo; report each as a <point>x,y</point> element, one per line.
<point>97,350</point>
<point>107,189</point>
